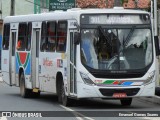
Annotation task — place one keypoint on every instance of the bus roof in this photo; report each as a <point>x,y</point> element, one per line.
<point>69,14</point>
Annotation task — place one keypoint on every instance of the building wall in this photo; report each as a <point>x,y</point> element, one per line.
<point>21,7</point>
<point>110,3</point>
<point>5,8</point>
<point>41,6</point>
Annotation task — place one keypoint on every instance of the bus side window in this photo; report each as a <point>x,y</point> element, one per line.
<point>6,36</point>
<point>61,36</point>
<point>51,36</point>
<point>43,37</point>
<point>29,33</point>
<point>21,36</point>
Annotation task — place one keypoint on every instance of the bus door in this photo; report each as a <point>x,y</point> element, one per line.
<point>5,61</point>
<point>35,55</point>
<point>12,69</point>
<point>72,65</point>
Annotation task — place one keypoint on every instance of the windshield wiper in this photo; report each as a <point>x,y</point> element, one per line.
<point>129,36</point>
<point>104,35</point>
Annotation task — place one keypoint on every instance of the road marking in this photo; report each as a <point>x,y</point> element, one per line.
<point>78,115</point>
<point>3,118</point>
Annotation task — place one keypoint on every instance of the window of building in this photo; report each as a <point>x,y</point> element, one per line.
<point>29,33</point>
<point>61,36</point>
<point>6,36</point>
<point>21,36</point>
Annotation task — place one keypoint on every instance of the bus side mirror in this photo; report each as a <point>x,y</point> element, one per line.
<point>156,40</point>
<point>76,38</point>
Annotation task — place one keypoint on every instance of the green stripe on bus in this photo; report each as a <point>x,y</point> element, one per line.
<point>109,82</point>
<point>19,59</point>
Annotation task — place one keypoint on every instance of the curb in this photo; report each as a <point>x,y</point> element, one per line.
<point>1,80</point>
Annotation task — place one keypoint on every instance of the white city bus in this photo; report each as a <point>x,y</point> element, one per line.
<point>89,53</point>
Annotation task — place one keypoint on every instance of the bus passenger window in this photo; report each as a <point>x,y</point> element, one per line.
<point>19,44</point>
<point>62,36</point>
<point>51,35</point>
<point>6,36</point>
<point>28,39</point>
<point>21,36</point>
<point>43,37</point>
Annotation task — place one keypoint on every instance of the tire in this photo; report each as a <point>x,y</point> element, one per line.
<point>36,95</point>
<point>126,102</point>
<point>62,98</point>
<point>25,93</point>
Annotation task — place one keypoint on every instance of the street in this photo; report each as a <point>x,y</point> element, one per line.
<point>11,100</point>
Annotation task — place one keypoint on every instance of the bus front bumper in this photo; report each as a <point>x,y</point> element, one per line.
<point>88,91</point>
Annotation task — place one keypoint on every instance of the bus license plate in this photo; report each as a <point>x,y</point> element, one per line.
<point>119,95</point>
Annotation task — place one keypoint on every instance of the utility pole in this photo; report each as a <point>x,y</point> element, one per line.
<point>12,12</point>
<point>117,3</point>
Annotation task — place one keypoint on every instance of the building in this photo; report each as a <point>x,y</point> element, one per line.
<point>110,3</point>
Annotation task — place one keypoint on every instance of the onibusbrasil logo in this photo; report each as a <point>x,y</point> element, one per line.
<point>62,0</point>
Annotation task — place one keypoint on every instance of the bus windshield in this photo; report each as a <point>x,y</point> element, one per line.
<point>116,48</point>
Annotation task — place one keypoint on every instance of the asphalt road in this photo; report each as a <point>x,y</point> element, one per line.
<point>10,100</point>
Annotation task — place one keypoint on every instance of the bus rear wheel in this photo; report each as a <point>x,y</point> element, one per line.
<point>126,102</point>
<point>25,93</point>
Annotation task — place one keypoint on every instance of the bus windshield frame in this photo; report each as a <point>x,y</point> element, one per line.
<point>125,36</point>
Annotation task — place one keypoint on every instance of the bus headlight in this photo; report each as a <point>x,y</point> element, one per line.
<point>150,78</point>
<point>86,79</point>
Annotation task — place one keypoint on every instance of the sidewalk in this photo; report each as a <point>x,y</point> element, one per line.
<point>1,76</point>
<point>1,79</point>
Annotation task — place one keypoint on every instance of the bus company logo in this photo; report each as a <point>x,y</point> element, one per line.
<point>47,62</point>
<point>62,0</point>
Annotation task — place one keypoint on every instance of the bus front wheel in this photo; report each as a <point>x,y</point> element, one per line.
<point>62,95</point>
<point>126,102</point>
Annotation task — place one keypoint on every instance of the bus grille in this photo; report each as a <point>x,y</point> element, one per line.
<point>110,92</point>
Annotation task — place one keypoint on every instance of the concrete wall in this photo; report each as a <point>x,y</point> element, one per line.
<point>22,7</point>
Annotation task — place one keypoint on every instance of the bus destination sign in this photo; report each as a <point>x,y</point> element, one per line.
<point>115,19</point>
